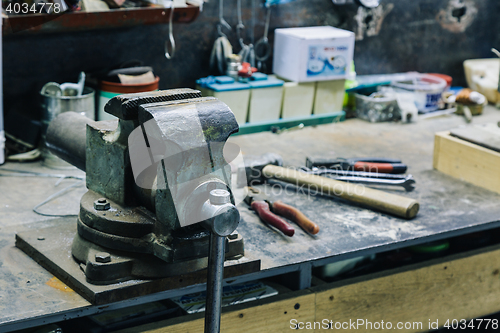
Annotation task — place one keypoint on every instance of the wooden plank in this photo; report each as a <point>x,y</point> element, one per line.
<point>465,288</point>
<point>486,135</point>
<point>467,161</point>
<point>268,315</point>
<point>84,21</point>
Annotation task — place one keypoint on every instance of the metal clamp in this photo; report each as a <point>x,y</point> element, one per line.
<point>263,43</point>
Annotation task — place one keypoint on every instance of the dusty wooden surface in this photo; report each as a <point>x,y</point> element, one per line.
<point>447,206</point>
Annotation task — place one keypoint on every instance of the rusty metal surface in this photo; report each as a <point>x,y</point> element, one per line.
<point>83,21</point>
<point>52,248</point>
<point>26,291</point>
<point>448,207</point>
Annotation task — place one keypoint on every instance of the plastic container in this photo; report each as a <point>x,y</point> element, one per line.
<point>329,96</point>
<point>298,99</point>
<point>426,90</point>
<point>109,90</point>
<point>445,77</point>
<point>265,98</point>
<point>236,95</point>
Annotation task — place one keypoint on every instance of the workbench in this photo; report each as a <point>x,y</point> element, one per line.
<point>30,296</point>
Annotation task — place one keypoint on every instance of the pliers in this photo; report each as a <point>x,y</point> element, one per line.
<point>268,212</point>
<point>373,164</point>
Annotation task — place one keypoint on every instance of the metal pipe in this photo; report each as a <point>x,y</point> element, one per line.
<point>66,138</point>
<point>215,276</point>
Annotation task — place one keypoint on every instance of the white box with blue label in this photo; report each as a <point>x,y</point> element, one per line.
<point>312,53</point>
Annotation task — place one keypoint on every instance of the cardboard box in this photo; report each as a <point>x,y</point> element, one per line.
<point>312,53</point>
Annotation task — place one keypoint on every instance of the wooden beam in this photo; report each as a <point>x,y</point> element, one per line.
<point>263,316</point>
<point>464,288</point>
<point>467,161</point>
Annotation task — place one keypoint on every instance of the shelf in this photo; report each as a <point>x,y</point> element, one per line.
<point>283,124</point>
<point>84,21</point>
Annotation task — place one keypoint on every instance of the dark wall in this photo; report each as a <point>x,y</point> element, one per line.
<point>413,36</point>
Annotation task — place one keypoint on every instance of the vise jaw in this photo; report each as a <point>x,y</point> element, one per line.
<point>148,176</point>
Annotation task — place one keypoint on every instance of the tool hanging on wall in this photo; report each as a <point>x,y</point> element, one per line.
<point>262,47</point>
<point>170,54</point>
<point>247,52</point>
<point>222,47</point>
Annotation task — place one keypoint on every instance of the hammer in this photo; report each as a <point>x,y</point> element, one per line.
<point>269,166</point>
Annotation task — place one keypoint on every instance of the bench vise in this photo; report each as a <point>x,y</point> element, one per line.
<point>159,184</point>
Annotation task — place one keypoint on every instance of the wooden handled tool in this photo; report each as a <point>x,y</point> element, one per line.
<point>262,209</point>
<point>269,210</point>
<point>296,216</point>
<point>386,202</point>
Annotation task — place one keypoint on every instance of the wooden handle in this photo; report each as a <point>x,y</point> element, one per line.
<point>262,209</point>
<point>379,200</point>
<point>296,216</point>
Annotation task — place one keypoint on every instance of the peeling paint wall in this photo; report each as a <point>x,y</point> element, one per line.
<point>369,20</point>
<point>457,16</point>
<point>401,35</point>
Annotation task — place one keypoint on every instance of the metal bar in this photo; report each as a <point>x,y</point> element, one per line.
<point>215,275</point>
<point>311,120</point>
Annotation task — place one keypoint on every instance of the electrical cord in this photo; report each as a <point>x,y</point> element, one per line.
<point>21,173</point>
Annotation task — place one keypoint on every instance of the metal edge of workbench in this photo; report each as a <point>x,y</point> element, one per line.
<point>320,119</point>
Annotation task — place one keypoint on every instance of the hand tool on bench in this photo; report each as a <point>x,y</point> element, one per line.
<point>368,178</point>
<point>374,164</point>
<point>269,210</point>
<point>379,200</point>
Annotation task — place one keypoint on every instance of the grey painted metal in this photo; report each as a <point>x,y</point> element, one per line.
<point>219,197</point>
<point>215,275</point>
<point>66,138</point>
<point>190,132</point>
<point>126,106</point>
<point>223,218</point>
<point>58,246</point>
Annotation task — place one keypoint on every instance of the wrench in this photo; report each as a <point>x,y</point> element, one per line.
<point>408,182</point>
<point>368,178</point>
